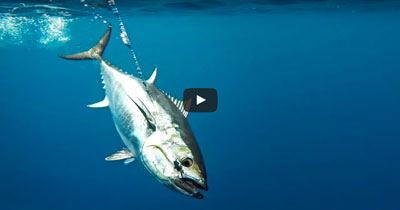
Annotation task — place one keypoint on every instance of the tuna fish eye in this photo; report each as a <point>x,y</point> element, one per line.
<point>187,162</point>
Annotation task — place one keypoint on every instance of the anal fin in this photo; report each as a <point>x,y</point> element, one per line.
<point>104,103</point>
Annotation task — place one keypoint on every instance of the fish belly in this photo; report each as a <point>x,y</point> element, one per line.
<point>129,120</point>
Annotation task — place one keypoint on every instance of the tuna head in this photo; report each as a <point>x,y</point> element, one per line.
<point>174,162</point>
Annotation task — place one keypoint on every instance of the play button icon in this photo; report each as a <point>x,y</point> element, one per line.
<point>200,100</point>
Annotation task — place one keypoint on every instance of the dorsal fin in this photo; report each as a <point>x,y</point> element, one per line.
<point>153,76</point>
<point>178,103</point>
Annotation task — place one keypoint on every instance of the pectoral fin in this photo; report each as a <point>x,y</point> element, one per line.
<point>124,154</point>
<point>101,104</point>
<point>146,113</point>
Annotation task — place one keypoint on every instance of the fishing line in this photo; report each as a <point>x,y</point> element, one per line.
<point>126,41</point>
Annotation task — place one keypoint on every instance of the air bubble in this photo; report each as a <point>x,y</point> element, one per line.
<point>15,29</point>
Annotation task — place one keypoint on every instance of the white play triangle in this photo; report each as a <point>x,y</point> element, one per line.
<point>199,99</point>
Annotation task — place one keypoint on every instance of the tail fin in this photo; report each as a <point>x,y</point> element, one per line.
<point>95,52</point>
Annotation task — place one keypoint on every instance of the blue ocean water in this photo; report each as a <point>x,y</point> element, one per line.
<point>308,114</point>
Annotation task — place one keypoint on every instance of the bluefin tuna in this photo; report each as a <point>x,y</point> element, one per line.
<point>151,124</point>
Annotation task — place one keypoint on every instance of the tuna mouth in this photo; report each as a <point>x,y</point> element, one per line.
<point>196,184</point>
<point>191,187</point>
